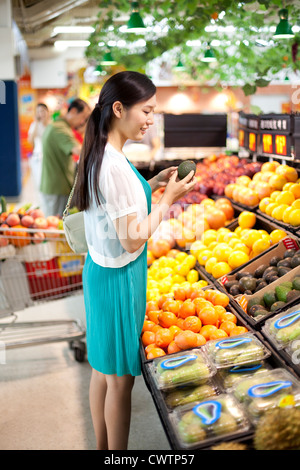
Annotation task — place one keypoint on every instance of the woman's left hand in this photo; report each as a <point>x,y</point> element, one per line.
<point>162,178</point>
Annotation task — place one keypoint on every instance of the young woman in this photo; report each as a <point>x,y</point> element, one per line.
<point>116,201</point>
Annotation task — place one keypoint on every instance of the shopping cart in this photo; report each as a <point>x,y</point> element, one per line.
<point>37,266</point>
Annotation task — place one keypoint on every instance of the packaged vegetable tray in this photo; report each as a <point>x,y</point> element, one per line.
<point>236,350</point>
<point>184,395</point>
<point>183,368</point>
<point>229,378</point>
<point>203,423</point>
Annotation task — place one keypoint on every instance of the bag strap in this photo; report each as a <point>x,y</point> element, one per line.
<point>66,211</point>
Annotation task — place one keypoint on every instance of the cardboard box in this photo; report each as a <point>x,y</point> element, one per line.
<point>241,301</point>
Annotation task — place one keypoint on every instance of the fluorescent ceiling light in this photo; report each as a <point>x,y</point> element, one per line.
<point>62,45</point>
<point>73,29</point>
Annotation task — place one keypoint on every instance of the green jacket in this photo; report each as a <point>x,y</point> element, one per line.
<point>58,167</point>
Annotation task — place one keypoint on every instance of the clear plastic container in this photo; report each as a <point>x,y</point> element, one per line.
<point>236,350</point>
<point>230,377</point>
<point>185,395</point>
<point>205,422</point>
<point>276,388</point>
<point>183,368</point>
<point>284,328</point>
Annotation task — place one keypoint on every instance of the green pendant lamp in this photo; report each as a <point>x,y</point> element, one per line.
<point>284,29</point>
<point>108,59</point>
<point>179,67</point>
<point>135,23</point>
<point>209,55</point>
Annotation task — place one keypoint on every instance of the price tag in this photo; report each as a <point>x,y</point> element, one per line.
<point>224,279</point>
<point>290,244</point>
<point>243,303</point>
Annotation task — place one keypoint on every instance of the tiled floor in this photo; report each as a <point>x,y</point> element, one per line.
<point>44,390</point>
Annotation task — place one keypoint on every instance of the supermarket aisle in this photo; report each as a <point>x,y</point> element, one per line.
<point>44,392</point>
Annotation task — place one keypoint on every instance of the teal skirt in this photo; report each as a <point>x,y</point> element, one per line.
<point>115,304</point>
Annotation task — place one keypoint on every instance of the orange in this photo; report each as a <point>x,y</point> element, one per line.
<point>227,326</point>
<point>179,323</point>
<point>221,299</point>
<point>222,252</point>
<point>196,292</point>
<point>148,337</point>
<point>208,316</point>
<point>156,328</point>
<point>171,306</point>
<point>160,248</point>
<point>277,235</point>
<point>153,316</point>
<point>296,204</point>
<point>288,172</point>
<point>163,337</point>
<point>151,305</point>
<point>228,316</point>
<point>204,256</point>
<point>261,245</point>
<point>186,339</point>
<point>294,217</point>
<point>247,219</point>
<point>238,330</point>
<point>167,319</point>
<point>220,310</point>
<point>180,293</point>
<point>286,214</point>
<point>150,257</point>
<point>274,195</point>
<point>187,309</point>
<point>242,247</point>
<point>210,295</point>
<point>220,269</point>
<point>148,325</point>
<point>149,347</point>
<point>175,329</point>
<point>163,299</point>
<point>237,258</point>
<point>192,323</point>
<point>207,330</point>
<point>278,212</point>
<point>155,352</point>
<point>200,339</point>
<point>172,253</point>
<point>218,334</point>
<point>173,348</point>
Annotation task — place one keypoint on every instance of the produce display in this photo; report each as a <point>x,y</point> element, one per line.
<point>210,276</point>
<point>221,251</point>
<point>14,226</point>
<point>208,420</point>
<point>272,178</point>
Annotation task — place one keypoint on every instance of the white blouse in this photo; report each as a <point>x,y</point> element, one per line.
<point>121,193</point>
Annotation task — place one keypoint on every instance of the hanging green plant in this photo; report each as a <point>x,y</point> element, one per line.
<point>247,55</point>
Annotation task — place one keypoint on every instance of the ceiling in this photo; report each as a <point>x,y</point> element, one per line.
<point>37,18</point>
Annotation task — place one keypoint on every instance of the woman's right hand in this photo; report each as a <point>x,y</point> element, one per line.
<point>177,188</point>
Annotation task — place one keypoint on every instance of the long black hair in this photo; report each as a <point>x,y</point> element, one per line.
<point>127,87</point>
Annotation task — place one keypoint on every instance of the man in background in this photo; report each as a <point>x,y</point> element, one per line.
<point>58,166</point>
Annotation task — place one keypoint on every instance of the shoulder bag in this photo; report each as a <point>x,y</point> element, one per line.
<point>74,227</point>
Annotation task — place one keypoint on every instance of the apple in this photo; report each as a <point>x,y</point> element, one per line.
<point>36,213</point>
<point>38,237</point>
<point>27,221</point>
<point>53,221</point>
<point>40,223</point>
<point>3,241</point>
<point>13,219</point>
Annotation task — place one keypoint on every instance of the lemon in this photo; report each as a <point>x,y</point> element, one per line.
<point>285,197</point>
<point>277,213</point>
<point>296,204</point>
<point>182,269</point>
<point>220,269</point>
<point>271,207</point>
<point>164,272</point>
<point>286,215</point>
<point>209,236</point>
<point>165,285</point>
<point>261,245</point>
<point>190,260</point>
<point>251,237</point>
<point>210,263</point>
<point>181,256</point>
<point>196,247</point>
<point>277,235</point>
<point>247,219</point>
<point>178,279</point>
<point>204,256</point>
<point>242,247</point>
<point>237,258</point>
<point>294,217</point>
<point>222,252</point>
<point>192,276</point>
<point>263,203</point>
<point>274,195</point>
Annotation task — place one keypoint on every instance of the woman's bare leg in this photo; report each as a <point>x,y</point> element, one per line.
<point>98,389</point>
<point>117,410</point>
